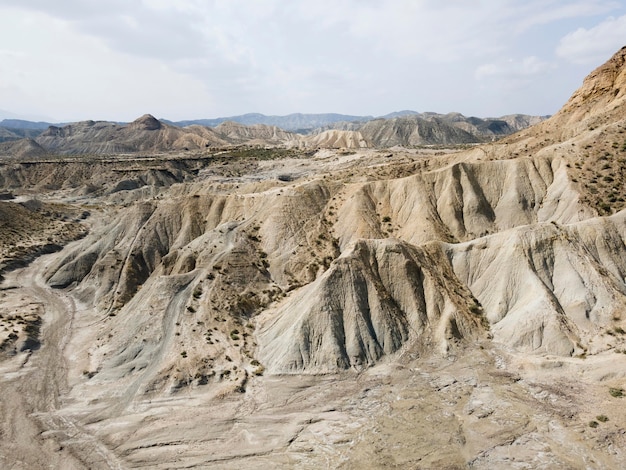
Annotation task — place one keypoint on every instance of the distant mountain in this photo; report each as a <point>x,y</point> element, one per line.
<point>291,122</point>
<point>15,129</point>
<point>148,134</point>
<point>8,134</point>
<point>23,124</point>
<point>409,128</point>
<point>395,114</point>
<point>412,130</point>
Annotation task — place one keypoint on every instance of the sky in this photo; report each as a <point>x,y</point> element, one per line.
<point>69,60</point>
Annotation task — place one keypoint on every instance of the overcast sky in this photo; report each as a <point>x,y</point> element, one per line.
<point>70,60</point>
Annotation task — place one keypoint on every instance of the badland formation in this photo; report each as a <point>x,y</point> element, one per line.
<point>395,293</point>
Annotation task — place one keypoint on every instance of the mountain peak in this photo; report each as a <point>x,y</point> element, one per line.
<point>147,122</point>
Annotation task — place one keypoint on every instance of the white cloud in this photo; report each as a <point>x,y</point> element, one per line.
<point>512,69</point>
<point>64,74</point>
<point>532,13</point>
<point>445,31</point>
<point>487,70</point>
<point>594,45</point>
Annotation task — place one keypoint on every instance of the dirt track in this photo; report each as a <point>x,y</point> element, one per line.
<point>34,383</point>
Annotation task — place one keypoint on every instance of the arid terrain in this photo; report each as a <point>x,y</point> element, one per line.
<point>252,303</point>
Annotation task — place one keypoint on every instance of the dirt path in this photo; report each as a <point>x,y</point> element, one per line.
<point>34,433</point>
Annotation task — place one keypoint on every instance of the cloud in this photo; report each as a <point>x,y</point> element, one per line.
<point>435,30</point>
<point>64,74</point>
<point>512,69</point>
<point>532,13</point>
<point>444,31</point>
<point>593,45</point>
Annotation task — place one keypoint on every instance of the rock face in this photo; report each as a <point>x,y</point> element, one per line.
<point>336,139</point>
<point>378,296</point>
<point>602,89</point>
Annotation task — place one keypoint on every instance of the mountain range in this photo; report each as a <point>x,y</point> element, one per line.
<point>147,134</point>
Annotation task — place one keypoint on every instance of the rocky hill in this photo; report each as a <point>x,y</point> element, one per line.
<point>306,308</point>
<point>146,134</point>
<point>143,135</point>
<point>410,128</point>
